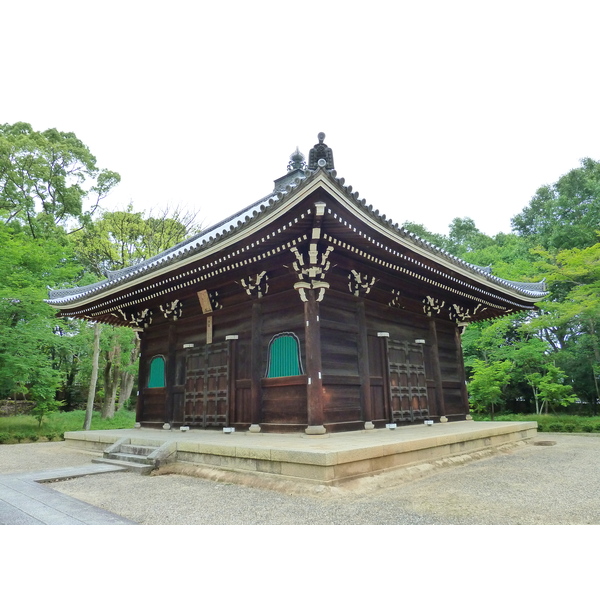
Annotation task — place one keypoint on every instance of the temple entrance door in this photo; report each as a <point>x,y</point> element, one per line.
<point>207,386</point>
<point>408,384</point>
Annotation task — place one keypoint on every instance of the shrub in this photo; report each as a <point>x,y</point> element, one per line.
<point>4,437</point>
<point>555,427</point>
<point>34,437</point>
<point>540,427</point>
<point>569,427</point>
<point>587,428</point>
<point>19,436</point>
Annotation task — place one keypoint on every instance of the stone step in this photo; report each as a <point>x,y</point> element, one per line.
<point>133,467</point>
<point>138,450</point>
<point>127,457</point>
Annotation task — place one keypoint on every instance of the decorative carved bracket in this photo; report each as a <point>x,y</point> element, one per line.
<point>360,284</point>
<point>432,305</point>
<point>173,310</point>
<point>257,286</point>
<point>396,301</point>
<point>311,270</point>
<point>140,318</point>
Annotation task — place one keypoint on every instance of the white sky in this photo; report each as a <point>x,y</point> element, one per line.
<point>433,110</point>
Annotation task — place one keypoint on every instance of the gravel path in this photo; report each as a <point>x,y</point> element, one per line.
<point>532,485</point>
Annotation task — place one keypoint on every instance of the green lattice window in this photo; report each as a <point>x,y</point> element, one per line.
<point>156,378</point>
<point>284,356</point>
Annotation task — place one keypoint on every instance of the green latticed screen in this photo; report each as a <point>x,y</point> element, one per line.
<point>156,378</point>
<point>284,356</point>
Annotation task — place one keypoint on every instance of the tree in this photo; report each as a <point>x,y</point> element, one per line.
<point>123,238</point>
<point>565,214</point>
<point>89,409</point>
<point>117,240</point>
<point>487,383</point>
<point>47,178</point>
<point>28,326</point>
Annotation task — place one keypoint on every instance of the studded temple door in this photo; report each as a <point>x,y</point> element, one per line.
<point>206,401</point>
<point>408,384</point>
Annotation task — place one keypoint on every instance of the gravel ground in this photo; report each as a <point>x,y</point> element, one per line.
<point>531,485</point>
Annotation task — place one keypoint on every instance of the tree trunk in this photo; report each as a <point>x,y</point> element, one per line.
<point>89,409</point>
<point>127,376</point>
<point>112,373</point>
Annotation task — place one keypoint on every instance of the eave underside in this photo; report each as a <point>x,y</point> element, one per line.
<point>400,277</point>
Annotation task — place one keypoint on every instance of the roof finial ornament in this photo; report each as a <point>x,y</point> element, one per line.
<point>296,161</point>
<point>320,156</point>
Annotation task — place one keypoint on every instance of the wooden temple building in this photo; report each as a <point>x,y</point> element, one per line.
<point>307,311</point>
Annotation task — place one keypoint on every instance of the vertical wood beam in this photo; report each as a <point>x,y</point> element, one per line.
<point>461,370</point>
<point>142,377</point>
<point>256,364</point>
<point>171,368</point>
<point>437,371</point>
<point>363,363</point>
<point>387,386</point>
<point>314,387</point>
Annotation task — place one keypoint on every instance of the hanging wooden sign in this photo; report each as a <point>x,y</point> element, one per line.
<point>204,301</point>
<point>209,329</point>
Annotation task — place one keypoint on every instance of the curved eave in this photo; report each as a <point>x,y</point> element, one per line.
<point>261,214</point>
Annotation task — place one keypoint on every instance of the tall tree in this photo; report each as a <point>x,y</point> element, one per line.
<point>565,214</point>
<point>116,240</point>
<point>48,178</point>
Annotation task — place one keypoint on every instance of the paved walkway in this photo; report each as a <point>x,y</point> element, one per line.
<point>24,501</point>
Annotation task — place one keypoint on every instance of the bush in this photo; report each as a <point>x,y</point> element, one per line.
<point>540,427</point>
<point>555,427</point>
<point>587,428</point>
<point>50,435</point>
<point>34,437</point>
<point>597,427</point>
<point>569,427</point>
<point>4,437</point>
<point>19,436</point>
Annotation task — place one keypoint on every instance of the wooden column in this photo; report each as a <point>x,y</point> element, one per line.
<point>314,387</point>
<point>461,370</point>
<point>171,368</point>
<point>256,364</point>
<point>363,363</point>
<point>437,372</point>
<point>142,378</point>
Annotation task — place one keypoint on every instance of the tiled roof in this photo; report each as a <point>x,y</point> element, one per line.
<point>284,187</point>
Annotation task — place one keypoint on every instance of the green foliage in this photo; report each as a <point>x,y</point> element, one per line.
<point>552,422</point>
<point>22,427</point>
<point>47,177</point>
<point>565,214</point>
<point>487,382</point>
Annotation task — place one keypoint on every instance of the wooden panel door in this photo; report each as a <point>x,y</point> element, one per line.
<point>408,383</point>
<point>207,386</point>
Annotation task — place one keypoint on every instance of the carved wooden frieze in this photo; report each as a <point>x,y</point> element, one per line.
<point>432,306</point>
<point>257,285</point>
<point>360,284</point>
<point>172,310</point>
<point>140,318</point>
<point>311,269</point>
<point>396,301</point>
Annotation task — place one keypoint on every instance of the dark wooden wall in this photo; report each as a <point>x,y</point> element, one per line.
<point>359,365</point>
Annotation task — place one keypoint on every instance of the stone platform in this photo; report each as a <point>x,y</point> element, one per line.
<point>329,459</point>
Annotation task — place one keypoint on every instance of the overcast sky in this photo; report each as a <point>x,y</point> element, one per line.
<point>433,110</point>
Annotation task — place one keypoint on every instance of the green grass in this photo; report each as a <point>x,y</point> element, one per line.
<point>552,423</point>
<point>24,428</point>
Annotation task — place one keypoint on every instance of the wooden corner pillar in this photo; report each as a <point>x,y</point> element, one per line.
<point>311,267</point>
<point>314,386</point>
